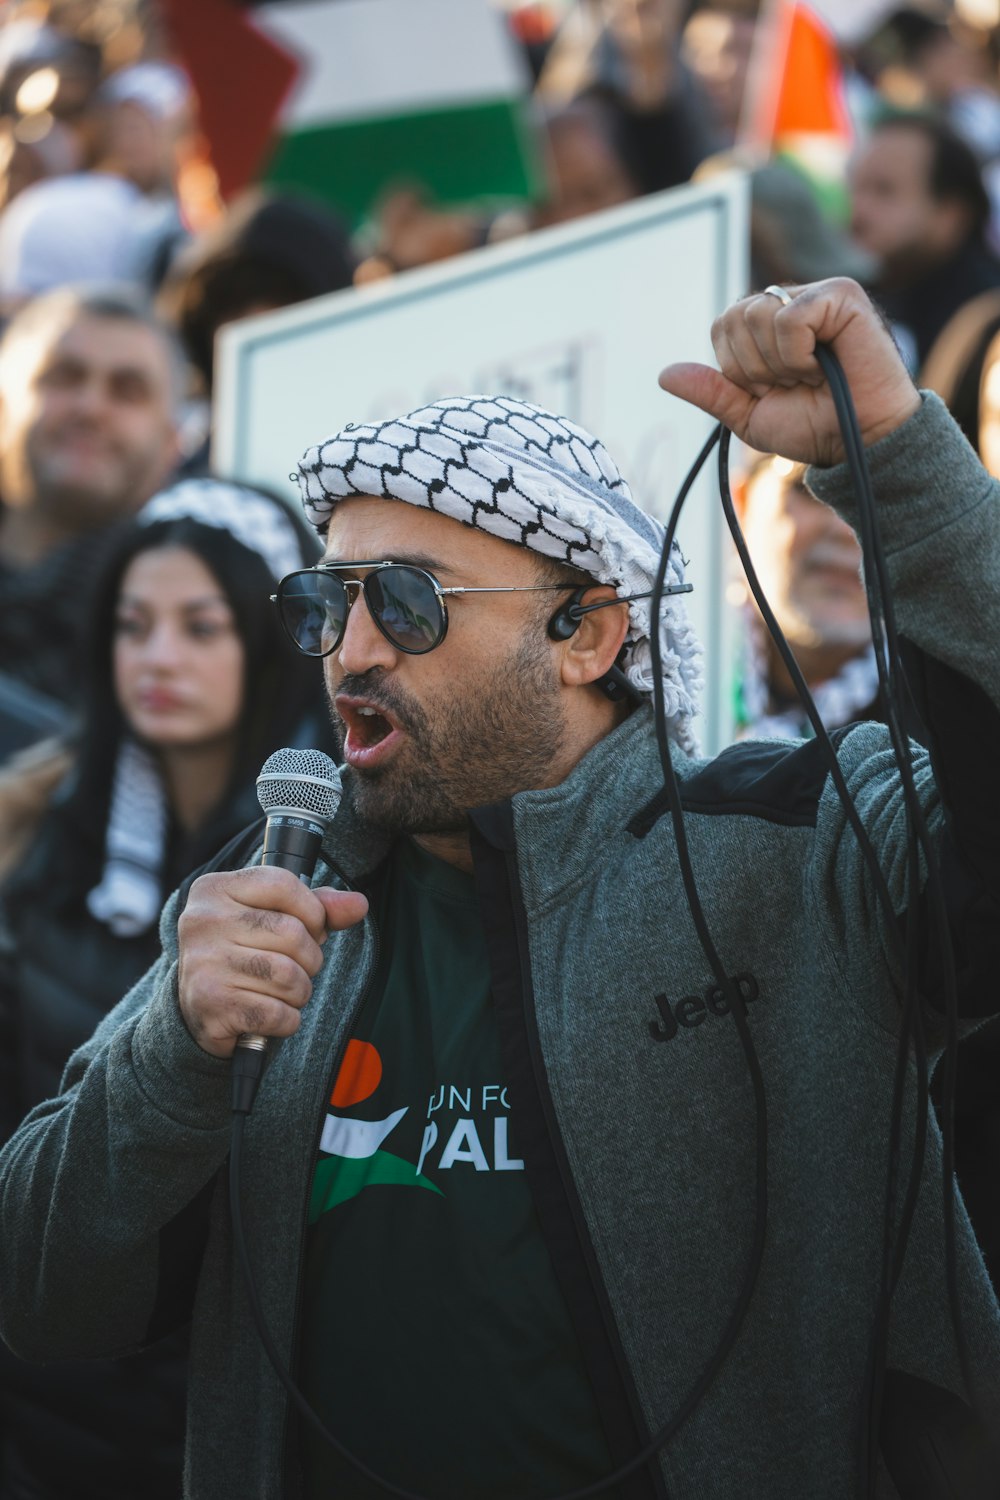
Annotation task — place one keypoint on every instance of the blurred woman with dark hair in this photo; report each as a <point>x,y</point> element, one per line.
<point>192,685</point>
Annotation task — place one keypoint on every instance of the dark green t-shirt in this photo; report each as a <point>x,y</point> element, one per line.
<point>436,1343</point>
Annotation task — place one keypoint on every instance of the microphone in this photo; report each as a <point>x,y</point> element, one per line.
<point>299,792</point>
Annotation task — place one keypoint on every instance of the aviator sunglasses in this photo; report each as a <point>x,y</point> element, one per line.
<point>406,602</point>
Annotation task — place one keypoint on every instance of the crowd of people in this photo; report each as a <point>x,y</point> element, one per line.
<point>145,676</point>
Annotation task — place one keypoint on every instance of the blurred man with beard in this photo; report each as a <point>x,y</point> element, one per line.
<point>809,565</point>
<point>89,389</point>
<point>503,1175</point>
<point>919,206</point>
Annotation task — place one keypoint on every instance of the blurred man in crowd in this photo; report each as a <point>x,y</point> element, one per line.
<point>926,60</point>
<point>89,386</point>
<point>143,115</point>
<point>918,205</point>
<point>809,565</point>
<point>717,46</point>
<point>587,167</point>
<point>625,53</point>
<point>118,220</point>
<point>587,170</point>
<point>269,250</point>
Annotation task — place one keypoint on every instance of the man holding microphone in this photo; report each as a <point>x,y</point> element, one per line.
<point>500,1174</point>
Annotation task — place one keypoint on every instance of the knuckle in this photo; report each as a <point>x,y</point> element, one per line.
<point>189,922</point>
<point>206,890</point>
<point>293,981</point>
<point>251,1018</point>
<point>283,971</point>
<point>287,1022</point>
<point>204,1012</point>
<point>254,965</point>
<point>266,1018</point>
<point>286,979</point>
<point>259,919</point>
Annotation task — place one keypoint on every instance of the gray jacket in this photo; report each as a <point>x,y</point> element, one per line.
<point>642,1149</point>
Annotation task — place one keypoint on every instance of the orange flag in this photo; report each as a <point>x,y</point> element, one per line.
<point>795,87</point>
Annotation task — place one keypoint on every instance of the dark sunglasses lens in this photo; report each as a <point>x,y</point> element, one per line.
<point>314,611</point>
<point>406,606</point>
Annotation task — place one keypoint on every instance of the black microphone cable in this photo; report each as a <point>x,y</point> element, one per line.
<point>888,666</point>
<point>671,790</point>
<point>922,845</point>
<point>938,910</point>
<point>888,659</point>
<point>725,981</point>
<point>904,955</point>
<point>919,844</point>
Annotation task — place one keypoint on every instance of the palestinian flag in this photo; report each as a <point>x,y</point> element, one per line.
<point>342,98</point>
<point>795,104</point>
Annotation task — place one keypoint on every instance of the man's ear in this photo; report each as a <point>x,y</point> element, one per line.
<point>593,648</point>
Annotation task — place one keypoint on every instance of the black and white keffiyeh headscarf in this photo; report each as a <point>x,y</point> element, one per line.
<point>527,476</point>
<point>130,893</point>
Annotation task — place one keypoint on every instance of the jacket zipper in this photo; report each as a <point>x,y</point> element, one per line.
<point>652,1469</point>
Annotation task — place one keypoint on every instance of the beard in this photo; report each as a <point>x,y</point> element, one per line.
<point>813,612</point>
<point>110,485</point>
<point>463,750</point>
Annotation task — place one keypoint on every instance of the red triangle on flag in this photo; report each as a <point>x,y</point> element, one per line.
<point>796,80</point>
<point>241,79</point>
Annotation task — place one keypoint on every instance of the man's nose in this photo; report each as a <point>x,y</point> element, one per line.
<point>92,398</point>
<point>364,646</point>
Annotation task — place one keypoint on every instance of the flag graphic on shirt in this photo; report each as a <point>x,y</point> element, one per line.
<point>341,98</point>
<point>354,1158</point>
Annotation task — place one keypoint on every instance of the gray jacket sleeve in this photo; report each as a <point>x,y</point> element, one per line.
<point>940,524</point>
<point>93,1179</point>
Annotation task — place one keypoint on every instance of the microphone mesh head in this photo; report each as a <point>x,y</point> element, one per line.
<point>303,781</point>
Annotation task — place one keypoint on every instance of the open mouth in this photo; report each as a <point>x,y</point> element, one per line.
<point>367,725</point>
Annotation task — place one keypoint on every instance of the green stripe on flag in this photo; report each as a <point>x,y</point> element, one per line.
<point>475,154</point>
<point>338,1179</point>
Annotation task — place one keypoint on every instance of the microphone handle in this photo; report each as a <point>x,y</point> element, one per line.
<point>292,841</point>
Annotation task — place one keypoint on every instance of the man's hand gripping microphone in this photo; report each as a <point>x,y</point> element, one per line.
<point>299,793</point>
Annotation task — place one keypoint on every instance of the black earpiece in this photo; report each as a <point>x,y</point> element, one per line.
<point>566,620</point>
<point>567,617</point>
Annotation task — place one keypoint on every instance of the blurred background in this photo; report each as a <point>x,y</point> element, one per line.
<point>172,168</point>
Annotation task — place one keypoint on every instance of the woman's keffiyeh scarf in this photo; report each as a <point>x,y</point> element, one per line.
<point>129,897</point>
<point>257,522</point>
<point>130,893</point>
<point>532,478</point>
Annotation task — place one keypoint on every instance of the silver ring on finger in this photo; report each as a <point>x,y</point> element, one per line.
<point>779,292</point>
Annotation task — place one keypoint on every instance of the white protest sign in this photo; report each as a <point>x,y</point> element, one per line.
<point>579,319</point>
